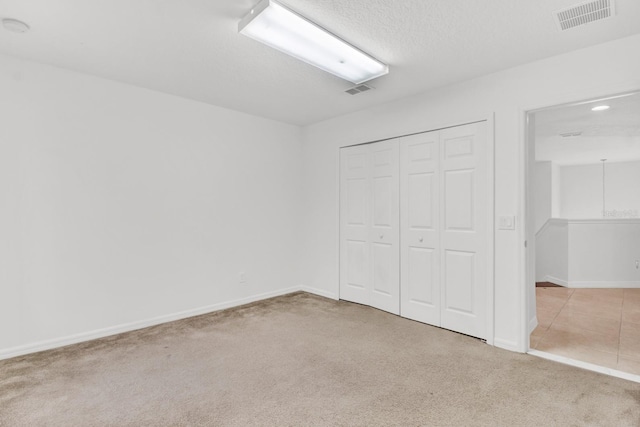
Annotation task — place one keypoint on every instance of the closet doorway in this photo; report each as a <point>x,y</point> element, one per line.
<point>416,227</point>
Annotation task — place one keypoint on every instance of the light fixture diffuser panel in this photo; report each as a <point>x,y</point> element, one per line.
<point>273,24</point>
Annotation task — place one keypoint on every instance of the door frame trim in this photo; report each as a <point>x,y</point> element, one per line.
<point>525,188</point>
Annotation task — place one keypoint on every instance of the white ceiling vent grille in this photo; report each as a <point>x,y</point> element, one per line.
<point>584,13</point>
<point>358,89</point>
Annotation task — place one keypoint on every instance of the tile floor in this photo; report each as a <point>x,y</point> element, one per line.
<point>599,326</point>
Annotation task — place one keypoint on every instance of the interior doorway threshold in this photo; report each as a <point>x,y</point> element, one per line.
<point>585,365</point>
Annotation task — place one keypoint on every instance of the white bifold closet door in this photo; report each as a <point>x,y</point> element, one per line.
<point>464,229</point>
<point>420,227</point>
<point>413,227</point>
<point>443,228</point>
<point>369,225</point>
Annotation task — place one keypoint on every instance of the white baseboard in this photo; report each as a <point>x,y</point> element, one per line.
<point>127,327</point>
<point>319,292</point>
<point>556,281</point>
<point>593,284</point>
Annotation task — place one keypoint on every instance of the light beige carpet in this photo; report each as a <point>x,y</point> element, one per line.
<point>302,360</point>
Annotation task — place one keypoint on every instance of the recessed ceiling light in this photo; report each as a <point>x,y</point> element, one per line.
<point>14,25</point>
<point>600,108</point>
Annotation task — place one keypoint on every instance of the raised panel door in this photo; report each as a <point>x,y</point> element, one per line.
<point>355,187</point>
<point>419,201</point>
<point>463,233</point>
<point>385,223</point>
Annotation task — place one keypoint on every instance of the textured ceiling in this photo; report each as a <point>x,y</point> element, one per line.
<point>613,134</point>
<point>191,48</point>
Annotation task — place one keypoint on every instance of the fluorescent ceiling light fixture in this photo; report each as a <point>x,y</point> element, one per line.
<point>275,25</point>
<point>600,108</point>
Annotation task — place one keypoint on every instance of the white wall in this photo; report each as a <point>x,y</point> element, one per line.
<point>119,205</point>
<point>622,188</point>
<point>587,73</point>
<point>597,253</point>
<point>543,197</point>
<point>552,253</point>
<point>582,190</point>
<point>603,253</point>
<point>556,190</point>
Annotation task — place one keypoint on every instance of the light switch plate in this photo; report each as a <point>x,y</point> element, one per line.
<point>507,222</point>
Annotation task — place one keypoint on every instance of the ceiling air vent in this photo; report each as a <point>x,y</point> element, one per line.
<point>358,89</point>
<point>584,13</point>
